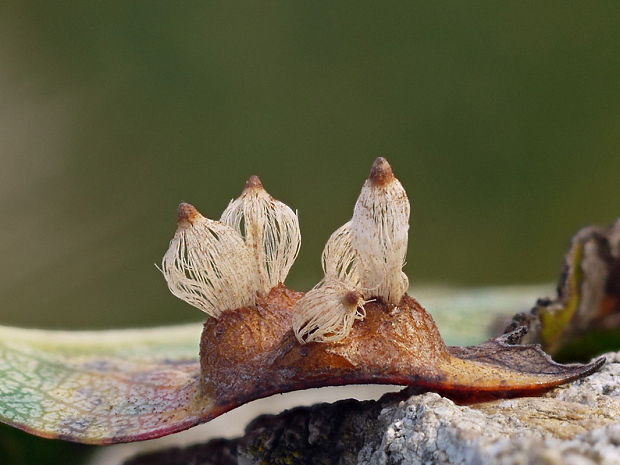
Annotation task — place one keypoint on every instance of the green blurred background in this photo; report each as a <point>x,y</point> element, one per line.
<point>502,120</point>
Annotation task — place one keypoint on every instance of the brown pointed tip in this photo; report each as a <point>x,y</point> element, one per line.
<point>187,214</point>
<point>352,298</point>
<point>254,183</point>
<point>381,172</point>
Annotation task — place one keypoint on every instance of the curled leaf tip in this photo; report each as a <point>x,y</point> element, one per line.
<point>381,172</point>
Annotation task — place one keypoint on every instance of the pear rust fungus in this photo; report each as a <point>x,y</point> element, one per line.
<point>357,325</point>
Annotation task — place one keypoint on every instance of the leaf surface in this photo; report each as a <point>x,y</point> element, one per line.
<point>98,386</point>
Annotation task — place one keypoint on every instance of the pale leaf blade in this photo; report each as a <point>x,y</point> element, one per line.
<point>101,387</point>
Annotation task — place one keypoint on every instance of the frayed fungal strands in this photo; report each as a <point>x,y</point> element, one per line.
<point>365,256</point>
<point>379,233</point>
<point>340,260</point>
<point>208,265</point>
<point>222,265</point>
<point>327,312</point>
<point>270,229</point>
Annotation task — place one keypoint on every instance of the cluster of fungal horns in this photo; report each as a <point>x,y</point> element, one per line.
<point>356,326</point>
<point>227,264</point>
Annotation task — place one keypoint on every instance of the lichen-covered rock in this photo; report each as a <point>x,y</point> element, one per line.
<point>560,427</point>
<point>578,424</point>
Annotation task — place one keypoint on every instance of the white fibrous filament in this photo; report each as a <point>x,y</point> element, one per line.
<point>270,230</point>
<point>340,260</point>
<point>224,265</point>
<point>379,233</point>
<point>364,257</point>
<point>327,312</point>
<point>208,264</point>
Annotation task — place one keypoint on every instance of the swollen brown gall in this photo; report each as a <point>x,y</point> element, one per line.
<point>357,325</point>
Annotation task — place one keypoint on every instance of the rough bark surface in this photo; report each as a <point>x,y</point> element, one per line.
<point>578,423</point>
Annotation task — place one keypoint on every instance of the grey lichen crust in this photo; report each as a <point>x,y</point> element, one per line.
<point>578,423</point>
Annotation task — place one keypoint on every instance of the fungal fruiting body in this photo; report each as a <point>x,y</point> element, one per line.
<point>270,229</point>
<point>362,258</point>
<point>379,233</point>
<point>224,265</point>
<point>208,264</point>
<point>327,312</point>
<point>356,326</point>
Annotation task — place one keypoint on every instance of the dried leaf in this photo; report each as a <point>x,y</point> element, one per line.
<point>100,387</point>
<point>120,386</point>
<point>392,345</point>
